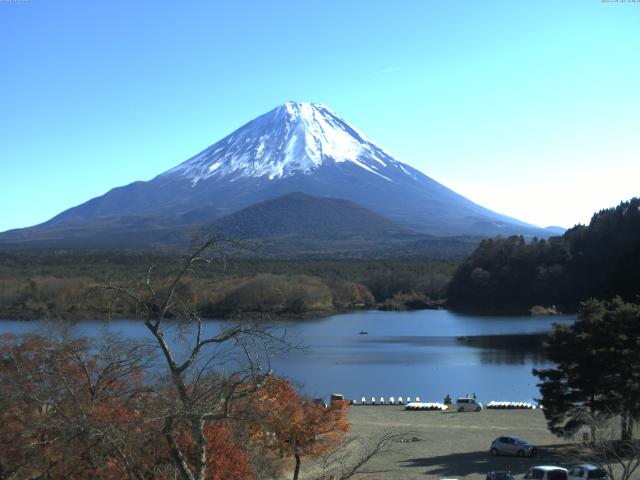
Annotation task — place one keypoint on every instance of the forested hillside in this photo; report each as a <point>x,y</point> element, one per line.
<point>71,285</point>
<point>599,260</point>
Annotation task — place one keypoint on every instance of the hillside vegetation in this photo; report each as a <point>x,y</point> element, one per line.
<point>71,286</point>
<point>291,226</point>
<point>600,260</point>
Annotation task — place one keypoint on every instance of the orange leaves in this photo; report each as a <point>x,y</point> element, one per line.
<point>54,419</point>
<point>295,423</point>
<point>226,460</point>
<point>66,412</point>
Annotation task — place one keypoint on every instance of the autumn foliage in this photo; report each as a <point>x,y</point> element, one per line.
<point>227,461</point>
<point>298,427</point>
<point>297,423</point>
<point>70,409</point>
<point>65,413</point>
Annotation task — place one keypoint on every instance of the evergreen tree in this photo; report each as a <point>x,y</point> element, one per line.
<point>600,260</point>
<point>597,370</point>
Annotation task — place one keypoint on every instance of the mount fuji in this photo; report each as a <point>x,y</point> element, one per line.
<point>296,147</point>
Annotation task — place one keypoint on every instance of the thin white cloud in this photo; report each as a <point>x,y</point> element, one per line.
<point>387,70</point>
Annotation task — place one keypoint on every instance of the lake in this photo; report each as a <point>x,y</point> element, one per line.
<point>426,353</point>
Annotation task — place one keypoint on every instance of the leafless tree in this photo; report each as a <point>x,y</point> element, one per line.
<point>353,456</point>
<point>209,367</point>
<point>619,458</point>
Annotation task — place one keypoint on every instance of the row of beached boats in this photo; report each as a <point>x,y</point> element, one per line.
<point>382,401</point>
<point>418,405</point>
<point>510,405</point>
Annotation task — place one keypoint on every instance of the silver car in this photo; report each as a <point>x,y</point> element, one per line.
<point>512,446</point>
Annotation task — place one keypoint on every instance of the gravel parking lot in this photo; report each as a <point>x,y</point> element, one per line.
<point>454,445</point>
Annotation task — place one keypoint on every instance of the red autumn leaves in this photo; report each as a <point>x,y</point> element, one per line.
<point>70,410</point>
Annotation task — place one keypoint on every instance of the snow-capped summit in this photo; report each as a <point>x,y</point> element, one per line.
<point>296,147</point>
<point>292,138</point>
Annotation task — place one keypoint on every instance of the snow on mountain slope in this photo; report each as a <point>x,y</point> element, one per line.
<point>292,138</point>
<point>296,147</point>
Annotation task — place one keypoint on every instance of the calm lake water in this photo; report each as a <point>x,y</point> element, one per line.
<point>427,353</point>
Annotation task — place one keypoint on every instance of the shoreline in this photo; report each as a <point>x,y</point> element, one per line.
<point>243,316</point>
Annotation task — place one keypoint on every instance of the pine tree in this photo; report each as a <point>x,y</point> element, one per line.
<point>597,370</point>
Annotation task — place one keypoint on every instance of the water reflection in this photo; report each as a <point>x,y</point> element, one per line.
<point>508,349</point>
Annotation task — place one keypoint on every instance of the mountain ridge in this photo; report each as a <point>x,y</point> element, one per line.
<point>290,214</point>
<point>296,147</point>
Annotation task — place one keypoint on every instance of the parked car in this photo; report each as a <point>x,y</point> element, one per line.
<point>499,475</point>
<point>546,472</point>
<point>507,445</point>
<point>338,399</point>
<point>466,404</point>
<point>587,471</point>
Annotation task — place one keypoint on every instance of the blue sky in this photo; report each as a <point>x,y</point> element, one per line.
<point>530,108</point>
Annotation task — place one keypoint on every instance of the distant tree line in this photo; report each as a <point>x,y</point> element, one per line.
<point>69,285</point>
<point>600,260</point>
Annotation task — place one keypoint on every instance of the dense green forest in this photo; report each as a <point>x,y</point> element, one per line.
<point>71,285</point>
<point>599,260</point>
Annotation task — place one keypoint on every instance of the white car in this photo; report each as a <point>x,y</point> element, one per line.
<point>546,472</point>
<point>466,404</point>
<point>587,471</point>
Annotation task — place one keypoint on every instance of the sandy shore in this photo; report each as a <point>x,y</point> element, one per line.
<point>454,445</point>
